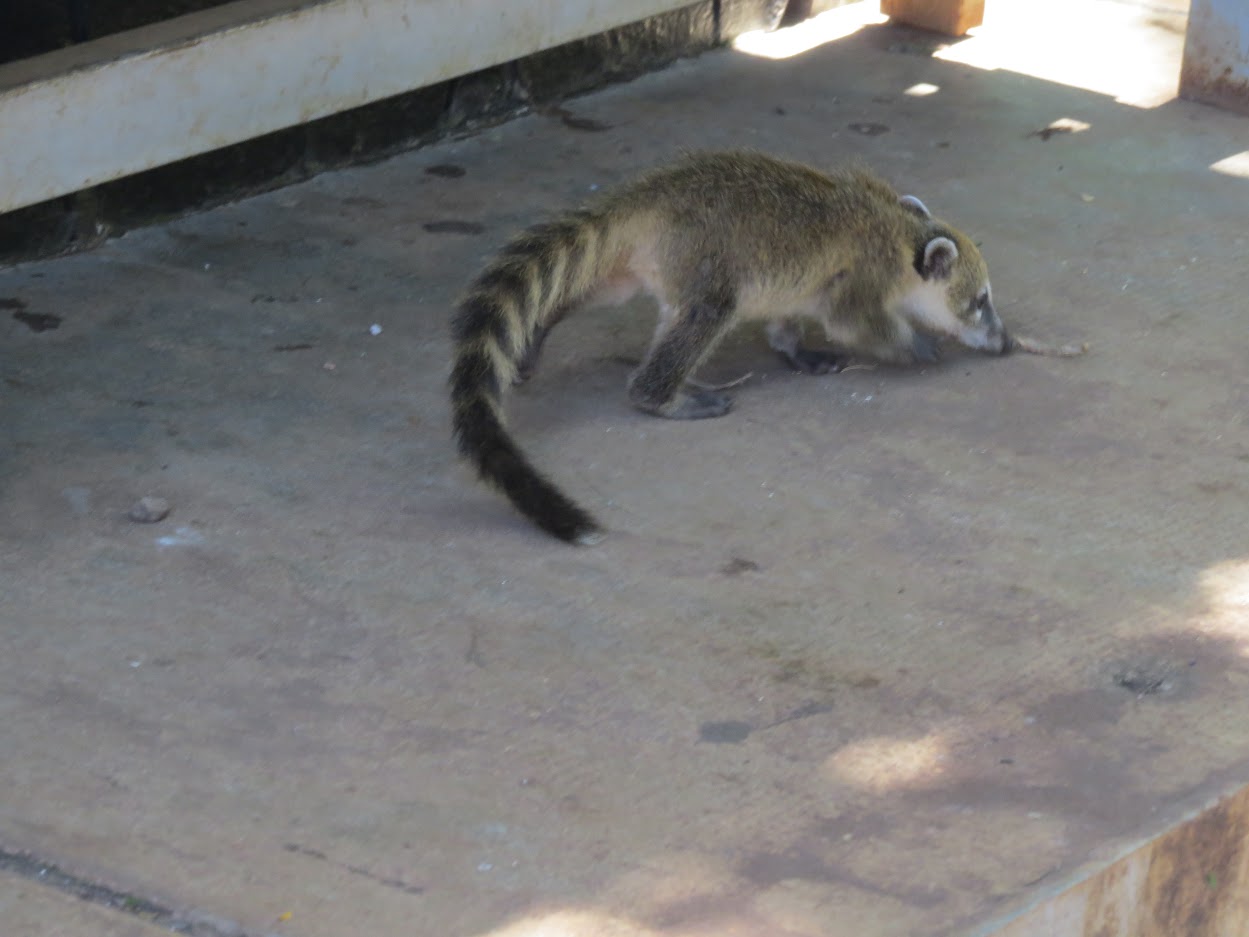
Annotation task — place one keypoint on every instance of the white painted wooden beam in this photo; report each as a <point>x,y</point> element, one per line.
<point>140,99</point>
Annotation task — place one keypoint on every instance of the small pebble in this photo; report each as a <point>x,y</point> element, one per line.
<point>149,510</point>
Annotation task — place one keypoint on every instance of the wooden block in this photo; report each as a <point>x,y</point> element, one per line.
<point>952,17</point>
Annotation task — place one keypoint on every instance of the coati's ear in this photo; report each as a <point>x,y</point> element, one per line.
<point>912,204</point>
<point>938,260</point>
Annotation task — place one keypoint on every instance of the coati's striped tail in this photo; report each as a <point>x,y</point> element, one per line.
<point>537,277</point>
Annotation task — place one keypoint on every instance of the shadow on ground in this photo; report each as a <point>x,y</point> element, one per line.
<point>880,653</point>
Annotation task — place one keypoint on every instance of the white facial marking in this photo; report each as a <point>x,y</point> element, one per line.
<point>925,305</point>
<point>985,329</point>
<point>974,338</point>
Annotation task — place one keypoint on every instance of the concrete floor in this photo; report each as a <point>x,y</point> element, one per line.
<point>890,652</point>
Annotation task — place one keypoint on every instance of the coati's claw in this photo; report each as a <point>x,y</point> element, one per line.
<point>700,405</point>
<point>687,405</point>
<point>816,361</point>
<point>590,537</point>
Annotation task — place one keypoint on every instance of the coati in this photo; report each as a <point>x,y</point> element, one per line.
<point>716,239</point>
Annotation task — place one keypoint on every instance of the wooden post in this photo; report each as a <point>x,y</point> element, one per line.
<point>952,17</point>
<point>1216,54</point>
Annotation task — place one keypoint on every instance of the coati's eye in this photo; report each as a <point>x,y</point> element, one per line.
<point>978,307</point>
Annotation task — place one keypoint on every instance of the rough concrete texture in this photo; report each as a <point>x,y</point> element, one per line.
<point>889,652</point>
<point>30,909</point>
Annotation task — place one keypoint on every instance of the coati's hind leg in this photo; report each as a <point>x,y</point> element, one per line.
<point>785,337</point>
<point>680,343</point>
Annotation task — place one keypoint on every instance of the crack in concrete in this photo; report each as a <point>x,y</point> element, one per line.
<point>53,876</point>
<point>405,887</point>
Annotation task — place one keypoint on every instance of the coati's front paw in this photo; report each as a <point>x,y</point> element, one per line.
<point>816,360</point>
<point>688,405</point>
<point>698,405</point>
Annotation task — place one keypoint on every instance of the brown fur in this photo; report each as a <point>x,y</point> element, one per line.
<point>715,239</point>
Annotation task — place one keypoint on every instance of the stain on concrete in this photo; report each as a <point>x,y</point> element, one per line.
<point>35,321</point>
<point>454,226</point>
<point>1149,677</point>
<point>728,732</point>
<point>738,565</point>
<point>446,171</point>
<point>805,863</point>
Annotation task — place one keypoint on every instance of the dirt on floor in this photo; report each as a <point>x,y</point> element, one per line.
<point>885,652</point>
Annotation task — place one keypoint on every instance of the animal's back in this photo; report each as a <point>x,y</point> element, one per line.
<point>765,216</point>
